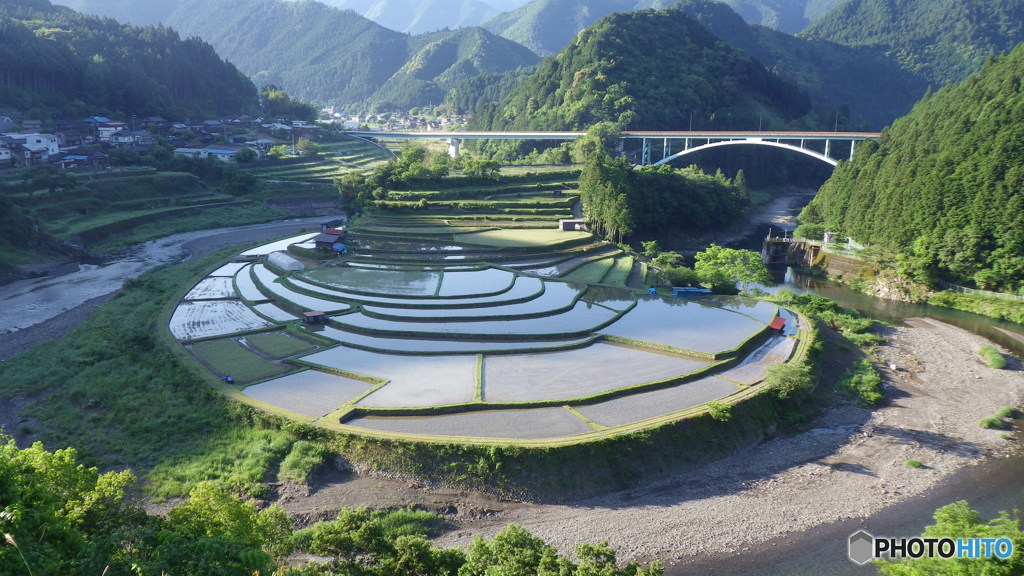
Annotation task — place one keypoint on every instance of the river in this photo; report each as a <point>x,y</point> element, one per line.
<point>990,487</point>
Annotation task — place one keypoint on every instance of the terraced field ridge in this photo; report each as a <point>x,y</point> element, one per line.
<point>438,331</point>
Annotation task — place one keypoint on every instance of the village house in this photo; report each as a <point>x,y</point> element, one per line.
<point>223,152</point>
<point>197,153</point>
<point>132,139</point>
<point>92,160</point>
<point>107,129</point>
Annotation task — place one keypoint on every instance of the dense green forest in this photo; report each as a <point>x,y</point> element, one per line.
<point>851,88</point>
<point>938,40</point>
<point>54,59</point>
<point>325,55</point>
<point>442,60</point>
<point>420,16</point>
<point>608,74</point>
<point>944,187</point>
<point>547,26</point>
<point>619,201</point>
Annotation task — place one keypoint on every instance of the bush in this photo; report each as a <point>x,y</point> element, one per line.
<point>915,464</point>
<point>1008,412</point>
<point>720,410</point>
<point>863,381</point>
<point>992,357</point>
<point>787,380</point>
<point>993,423</point>
<point>300,462</point>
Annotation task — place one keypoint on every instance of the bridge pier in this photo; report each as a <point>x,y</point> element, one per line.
<point>454,145</point>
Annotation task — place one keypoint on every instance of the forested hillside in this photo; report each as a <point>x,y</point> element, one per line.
<point>419,16</point>
<point>443,60</point>
<point>647,70</point>
<point>945,185</point>
<point>939,40</point>
<point>53,58</point>
<point>850,87</point>
<point>547,26</point>
<point>789,16</point>
<point>325,55</point>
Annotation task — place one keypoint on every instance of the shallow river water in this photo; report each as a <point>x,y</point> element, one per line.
<point>990,487</point>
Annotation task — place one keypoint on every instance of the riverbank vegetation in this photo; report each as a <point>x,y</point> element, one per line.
<point>994,358</point>
<point>958,520</point>
<point>61,517</point>
<point>942,186</point>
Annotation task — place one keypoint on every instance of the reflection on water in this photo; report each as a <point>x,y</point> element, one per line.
<point>894,312</point>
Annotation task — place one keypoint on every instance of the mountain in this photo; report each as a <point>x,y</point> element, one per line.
<point>944,187</point>
<point>335,57</point>
<point>418,16</point>
<point>864,87</point>
<point>53,57</point>
<point>546,26</point>
<point>939,40</point>
<point>786,15</point>
<point>443,60</point>
<point>608,74</point>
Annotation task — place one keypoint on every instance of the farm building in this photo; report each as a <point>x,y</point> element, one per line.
<point>284,261</point>
<point>572,224</point>
<point>326,241</point>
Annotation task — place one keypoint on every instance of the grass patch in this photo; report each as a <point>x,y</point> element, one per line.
<point>992,357</point>
<point>228,356</point>
<point>1008,412</point>
<point>619,274</point>
<point>994,423</point>
<point>300,462</point>
<point>514,238</point>
<point>864,382</point>
<point>117,394</point>
<point>279,344</point>
<point>591,272</point>
<point>238,457</point>
<point>914,464</point>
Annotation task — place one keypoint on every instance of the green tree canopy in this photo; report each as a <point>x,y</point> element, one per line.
<point>944,186</point>
<point>958,520</point>
<point>717,265</point>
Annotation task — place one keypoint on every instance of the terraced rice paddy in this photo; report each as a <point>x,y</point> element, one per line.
<point>503,349</point>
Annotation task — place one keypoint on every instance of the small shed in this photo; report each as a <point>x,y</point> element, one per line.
<point>778,324</point>
<point>572,224</point>
<point>330,224</point>
<point>285,262</point>
<point>313,317</point>
<point>325,241</point>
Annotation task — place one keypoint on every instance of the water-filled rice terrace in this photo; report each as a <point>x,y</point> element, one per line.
<point>475,334</point>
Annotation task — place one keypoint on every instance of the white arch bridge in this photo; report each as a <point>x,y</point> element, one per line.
<point>818,145</point>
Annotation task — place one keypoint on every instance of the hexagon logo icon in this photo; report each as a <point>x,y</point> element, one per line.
<point>861,548</point>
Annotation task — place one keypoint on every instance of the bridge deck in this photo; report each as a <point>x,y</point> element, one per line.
<point>698,134</point>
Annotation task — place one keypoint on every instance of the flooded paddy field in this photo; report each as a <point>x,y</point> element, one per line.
<point>484,351</point>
